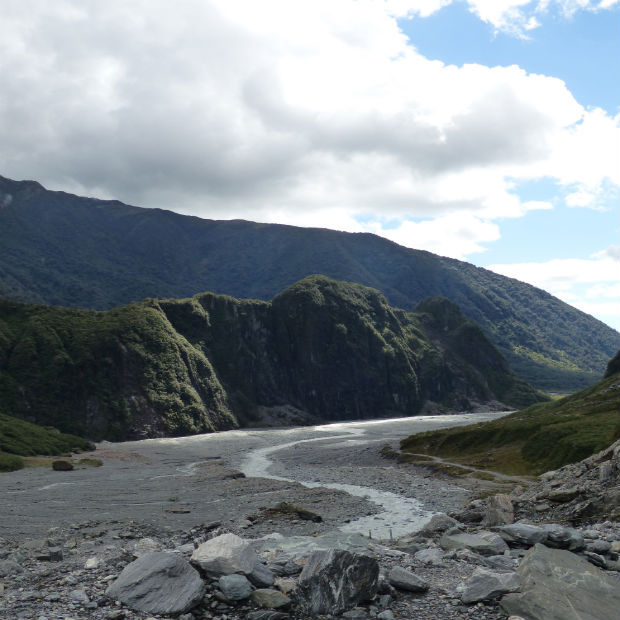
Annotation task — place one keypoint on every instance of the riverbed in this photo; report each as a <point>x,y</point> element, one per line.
<point>334,470</point>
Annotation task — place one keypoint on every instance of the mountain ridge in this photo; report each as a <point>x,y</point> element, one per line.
<point>62,249</point>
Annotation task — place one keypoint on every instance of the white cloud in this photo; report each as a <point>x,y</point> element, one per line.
<point>312,113</point>
<point>591,284</point>
<point>456,236</point>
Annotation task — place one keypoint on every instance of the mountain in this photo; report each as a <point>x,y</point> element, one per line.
<point>544,436</point>
<point>60,249</point>
<point>321,350</point>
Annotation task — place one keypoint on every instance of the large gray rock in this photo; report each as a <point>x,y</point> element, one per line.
<point>523,534</point>
<point>405,580</point>
<point>484,585</point>
<point>336,580</point>
<point>158,583</point>
<point>225,555</point>
<point>557,585</point>
<point>484,543</point>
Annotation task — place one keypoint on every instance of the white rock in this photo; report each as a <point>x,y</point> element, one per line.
<point>225,555</point>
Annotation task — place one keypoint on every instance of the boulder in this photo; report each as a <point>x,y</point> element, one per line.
<point>403,579</point>
<point>336,580</point>
<point>158,583</point>
<point>225,555</point>
<point>62,465</point>
<point>438,524</point>
<point>557,584</point>
<point>483,542</point>
<point>235,587</point>
<point>484,585</point>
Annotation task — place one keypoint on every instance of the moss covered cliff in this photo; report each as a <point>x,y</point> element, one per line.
<point>333,350</point>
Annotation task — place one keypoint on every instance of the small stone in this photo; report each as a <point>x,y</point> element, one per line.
<point>272,599</point>
<point>261,576</point>
<point>79,595</point>
<point>385,615</point>
<point>91,563</point>
<point>235,587</point>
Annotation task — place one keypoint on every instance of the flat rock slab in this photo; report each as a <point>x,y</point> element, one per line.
<point>557,585</point>
<point>336,580</point>
<point>158,583</point>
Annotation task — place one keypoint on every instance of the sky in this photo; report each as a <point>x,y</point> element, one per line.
<point>483,130</point>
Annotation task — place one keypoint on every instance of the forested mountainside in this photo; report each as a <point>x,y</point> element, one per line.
<point>322,349</point>
<point>60,249</point>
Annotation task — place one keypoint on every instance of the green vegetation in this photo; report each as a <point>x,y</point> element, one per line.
<point>19,438</point>
<point>334,350</point>
<point>65,250</point>
<point>540,438</point>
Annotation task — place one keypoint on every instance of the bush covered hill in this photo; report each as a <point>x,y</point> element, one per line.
<point>540,438</point>
<point>19,438</point>
<point>326,349</point>
<point>60,249</point>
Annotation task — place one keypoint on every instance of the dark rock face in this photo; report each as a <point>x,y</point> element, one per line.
<point>558,585</point>
<point>614,366</point>
<point>336,580</point>
<point>158,583</point>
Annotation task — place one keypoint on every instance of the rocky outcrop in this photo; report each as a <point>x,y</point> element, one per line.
<point>585,490</point>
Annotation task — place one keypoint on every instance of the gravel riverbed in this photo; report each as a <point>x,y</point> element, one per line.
<point>170,490</point>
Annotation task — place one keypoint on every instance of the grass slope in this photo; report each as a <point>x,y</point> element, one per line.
<point>540,438</point>
<point>65,250</point>
<point>20,438</point>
